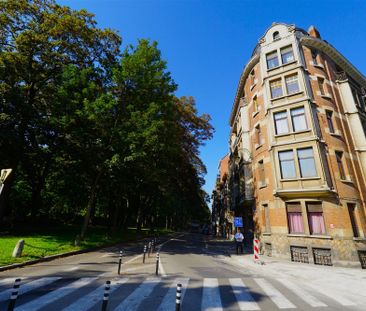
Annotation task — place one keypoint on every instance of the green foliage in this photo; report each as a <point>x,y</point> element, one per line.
<point>91,132</point>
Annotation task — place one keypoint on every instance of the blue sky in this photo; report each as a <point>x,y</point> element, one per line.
<point>207,43</point>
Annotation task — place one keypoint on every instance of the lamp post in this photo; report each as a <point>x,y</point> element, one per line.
<point>4,174</point>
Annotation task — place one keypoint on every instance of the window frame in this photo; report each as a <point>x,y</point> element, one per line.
<point>291,82</point>
<point>329,117</point>
<point>269,60</point>
<point>290,117</point>
<point>341,166</point>
<point>261,173</point>
<point>282,54</point>
<point>303,158</point>
<point>287,160</point>
<point>314,213</point>
<point>321,85</point>
<point>298,210</point>
<point>271,88</point>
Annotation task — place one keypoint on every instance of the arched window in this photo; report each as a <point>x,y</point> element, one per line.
<point>276,35</point>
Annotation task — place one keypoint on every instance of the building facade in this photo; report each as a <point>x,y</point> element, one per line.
<point>297,163</point>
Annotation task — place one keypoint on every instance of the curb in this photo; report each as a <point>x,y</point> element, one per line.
<point>68,254</point>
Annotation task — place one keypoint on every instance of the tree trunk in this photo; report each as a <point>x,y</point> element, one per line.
<point>90,206</point>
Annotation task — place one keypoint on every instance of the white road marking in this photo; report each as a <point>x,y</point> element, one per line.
<point>211,300</point>
<point>168,302</point>
<point>9,281</point>
<point>72,268</point>
<point>94,297</point>
<point>108,255</point>
<point>244,298</point>
<point>139,268</point>
<point>132,302</point>
<point>161,269</point>
<point>132,259</point>
<point>24,288</point>
<point>334,295</point>
<point>302,293</point>
<point>42,301</point>
<point>281,301</point>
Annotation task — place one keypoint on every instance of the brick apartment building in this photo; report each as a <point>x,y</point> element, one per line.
<point>297,162</point>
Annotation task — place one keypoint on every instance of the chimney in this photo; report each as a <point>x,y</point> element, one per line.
<point>313,32</point>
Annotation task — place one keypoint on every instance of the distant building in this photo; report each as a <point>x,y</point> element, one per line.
<point>222,216</point>
<point>298,149</point>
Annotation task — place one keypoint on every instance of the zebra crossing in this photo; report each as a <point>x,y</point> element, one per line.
<point>156,293</point>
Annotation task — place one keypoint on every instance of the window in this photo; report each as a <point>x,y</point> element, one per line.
<point>306,162</point>
<point>315,218</point>
<point>294,218</point>
<point>321,86</point>
<point>352,216</point>
<point>339,157</point>
<point>298,119</point>
<point>329,115</point>
<point>287,55</point>
<point>272,60</point>
<point>262,177</point>
<point>292,84</point>
<point>276,88</point>
<point>287,164</point>
<point>276,36</point>
<point>259,135</point>
<point>255,104</point>
<point>281,124</point>
<point>252,77</point>
<point>314,55</point>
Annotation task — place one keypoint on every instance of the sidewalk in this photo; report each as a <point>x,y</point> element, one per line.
<point>349,281</point>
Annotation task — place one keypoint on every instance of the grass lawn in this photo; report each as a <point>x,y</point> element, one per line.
<point>40,242</point>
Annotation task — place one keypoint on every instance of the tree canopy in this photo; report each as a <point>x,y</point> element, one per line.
<point>91,132</point>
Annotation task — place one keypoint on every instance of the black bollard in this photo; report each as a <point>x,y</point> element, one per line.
<point>14,295</point>
<point>143,258</point>
<point>106,295</point>
<point>178,297</point>
<point>120,262</point>
<point>157,264</point>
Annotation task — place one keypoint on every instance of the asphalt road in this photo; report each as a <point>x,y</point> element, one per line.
<point>211,281</point>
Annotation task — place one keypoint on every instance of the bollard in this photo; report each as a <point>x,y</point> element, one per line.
<point>106,295</point>
<point>149,249</point>
<point>18,249</point>
<point>178,297</point>
<point>120,262</point>
<point>14,295</point>
<point>143,258</point>
<point>157,264</point>
<point>256,250</point>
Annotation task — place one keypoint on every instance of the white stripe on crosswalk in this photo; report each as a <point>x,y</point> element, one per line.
<point>281,301</point>
<point>132,302</point>
<point>29,286</point>
<point>244,298</point>
<point>302,293</point>
<point>9,281</point>
<point>334,295</point>
<point>211,300</point>
<point>168,302</point>
<point>54,295</point>
<point>89,300</point>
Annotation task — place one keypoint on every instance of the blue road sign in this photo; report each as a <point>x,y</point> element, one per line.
<point>238,222</point>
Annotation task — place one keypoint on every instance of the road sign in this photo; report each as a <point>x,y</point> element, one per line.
<point>238,222</point>
<point>4,174</point>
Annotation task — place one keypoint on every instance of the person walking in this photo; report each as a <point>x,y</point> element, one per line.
<point>239,241</point>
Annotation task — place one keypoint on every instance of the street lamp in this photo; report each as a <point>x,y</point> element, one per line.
<point>4,174</point>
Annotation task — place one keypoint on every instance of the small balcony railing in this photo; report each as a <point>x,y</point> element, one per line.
<point>341,76</point>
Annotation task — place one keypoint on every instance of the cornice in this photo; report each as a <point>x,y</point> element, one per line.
<point>336,56</point>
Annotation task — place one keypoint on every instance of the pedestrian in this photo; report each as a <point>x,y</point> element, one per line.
<point>239,241</point>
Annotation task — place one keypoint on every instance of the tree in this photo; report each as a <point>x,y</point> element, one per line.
<point>38,39</point>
